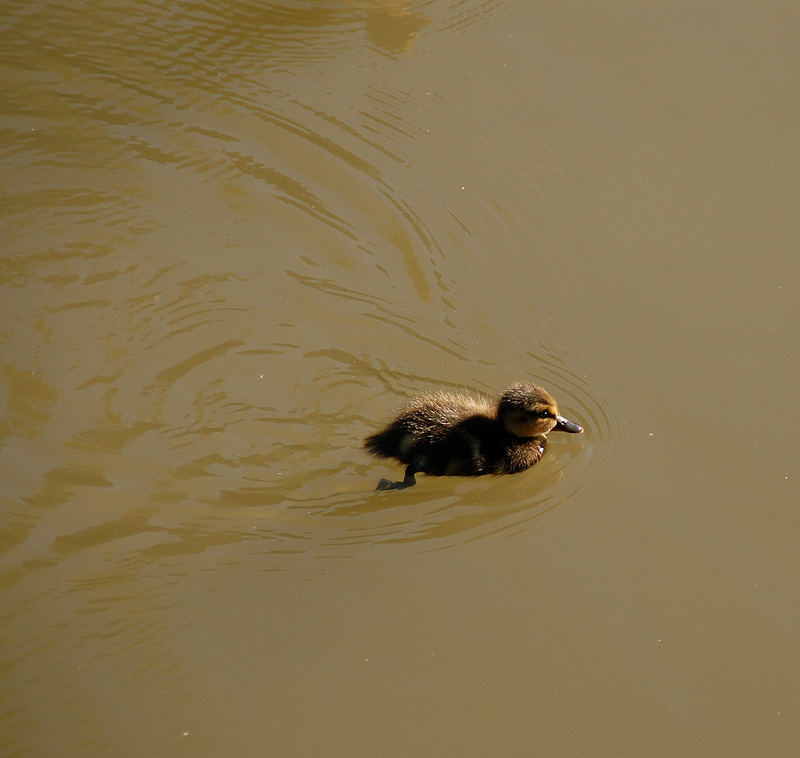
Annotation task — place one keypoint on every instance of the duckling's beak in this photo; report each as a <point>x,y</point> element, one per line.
<point>565,425</point>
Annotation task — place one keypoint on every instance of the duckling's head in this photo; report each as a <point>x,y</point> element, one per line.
<point>526,410</point>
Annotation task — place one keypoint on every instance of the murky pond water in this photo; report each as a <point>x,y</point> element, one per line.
<point>237,236</point>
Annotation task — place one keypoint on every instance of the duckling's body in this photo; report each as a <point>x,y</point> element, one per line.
<point>445,434</point>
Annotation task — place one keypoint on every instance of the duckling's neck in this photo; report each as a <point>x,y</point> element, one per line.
<point>522,452</point>
<point>541,439</point>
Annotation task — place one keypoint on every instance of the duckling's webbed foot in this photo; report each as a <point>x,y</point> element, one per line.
<point>408,481</point>
<point>386,484</point>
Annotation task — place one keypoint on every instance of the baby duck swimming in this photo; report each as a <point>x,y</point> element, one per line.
<point>444,434</point>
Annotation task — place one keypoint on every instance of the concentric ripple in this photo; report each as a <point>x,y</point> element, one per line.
<point>240,235</point>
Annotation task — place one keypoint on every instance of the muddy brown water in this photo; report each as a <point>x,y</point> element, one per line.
<point>237,236</point>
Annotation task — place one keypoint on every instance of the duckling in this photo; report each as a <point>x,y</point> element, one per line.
<point>444,434</point>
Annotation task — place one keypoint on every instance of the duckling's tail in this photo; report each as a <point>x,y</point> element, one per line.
<point>385,444</point>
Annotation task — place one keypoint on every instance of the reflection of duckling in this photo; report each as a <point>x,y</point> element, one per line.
<point>454,435</point>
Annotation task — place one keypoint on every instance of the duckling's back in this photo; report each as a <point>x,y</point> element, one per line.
<point>440,434</point>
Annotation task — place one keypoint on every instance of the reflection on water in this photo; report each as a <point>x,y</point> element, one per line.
<point>448,514</point>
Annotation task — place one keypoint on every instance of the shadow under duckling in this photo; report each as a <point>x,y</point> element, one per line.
<point>444,434</point>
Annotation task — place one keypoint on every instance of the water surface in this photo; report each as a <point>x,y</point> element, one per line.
<point>238,236</point>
